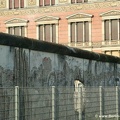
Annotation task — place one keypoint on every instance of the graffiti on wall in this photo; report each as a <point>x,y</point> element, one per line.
<point>67,69</point>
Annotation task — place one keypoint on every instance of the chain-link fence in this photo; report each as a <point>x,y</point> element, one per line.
<point>101,103</point>
<point>60,103</point>
<point>7,103</point>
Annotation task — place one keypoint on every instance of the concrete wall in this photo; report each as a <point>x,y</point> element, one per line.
<point>31,68</point>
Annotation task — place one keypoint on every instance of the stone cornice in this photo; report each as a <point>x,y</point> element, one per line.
<point>79,15</point>
<point>111,13</point>
<point>65,8</point>
<point>46,18</point>
<point>16,20</point>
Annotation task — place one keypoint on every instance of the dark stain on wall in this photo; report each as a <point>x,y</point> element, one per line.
<point>21,68</point>
<point>45,75</point>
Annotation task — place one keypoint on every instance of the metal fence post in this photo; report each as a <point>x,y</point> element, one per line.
<point>101,102</point>
<point>117,104</point>
<point>16,102</point>
<point>80,101</point>
<point>53,102</point>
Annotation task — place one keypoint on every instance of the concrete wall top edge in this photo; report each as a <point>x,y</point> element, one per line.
<point>33,44</point>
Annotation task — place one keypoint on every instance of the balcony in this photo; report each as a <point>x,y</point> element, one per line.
<point>96,44</point>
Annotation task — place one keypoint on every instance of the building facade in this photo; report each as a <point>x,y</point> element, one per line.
<point>92,25</point>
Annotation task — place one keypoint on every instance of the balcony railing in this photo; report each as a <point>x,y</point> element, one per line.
<point>94,44</point>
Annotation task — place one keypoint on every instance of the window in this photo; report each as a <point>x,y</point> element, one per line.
<point>17,26</point>
<point>79,31</point>
<point>46,2</point>
<point>15,4</point>
<point>111,26</point>
<point>47,28</point>
<point>48,31</point>
<point>111,29</point>
<point>79,28</point>
<point>17,30</point>
<point>78,1</point>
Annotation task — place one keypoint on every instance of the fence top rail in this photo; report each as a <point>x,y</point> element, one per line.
<point>64,87</point>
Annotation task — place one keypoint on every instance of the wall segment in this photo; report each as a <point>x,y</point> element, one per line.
<point>26,62</point>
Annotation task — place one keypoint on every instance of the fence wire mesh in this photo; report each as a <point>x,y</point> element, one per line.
<point>60,103</point>
<point>7,104</point>
<point>36,103</point>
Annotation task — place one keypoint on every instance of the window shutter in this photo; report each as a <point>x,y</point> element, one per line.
<point>10,29</point>
<point>79,1</point>
<point>22,4</point>
<point>16,3</point>
<point>16,31</point>
<point>106,29</point>
<point>72,32</point>
<point>23,31</point>
<point>47,33</point>
<point>72,1</point>
<point>85,0</point>
<point>53,2</point>
<point>47,2</point>
<point>41,32</point>
<point>40,2</point>
<point>114,29</point>
<point>80,32</point>
<point>86,31</point>
<point>10,4</point>
<point>54,33</point>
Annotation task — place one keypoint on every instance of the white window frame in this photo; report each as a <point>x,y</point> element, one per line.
<point>13,7</point>
<point>70,18</point>
<point>44,3</point>
<point>11,23</point>
<point>52,20</point>
<point>113,14</point>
